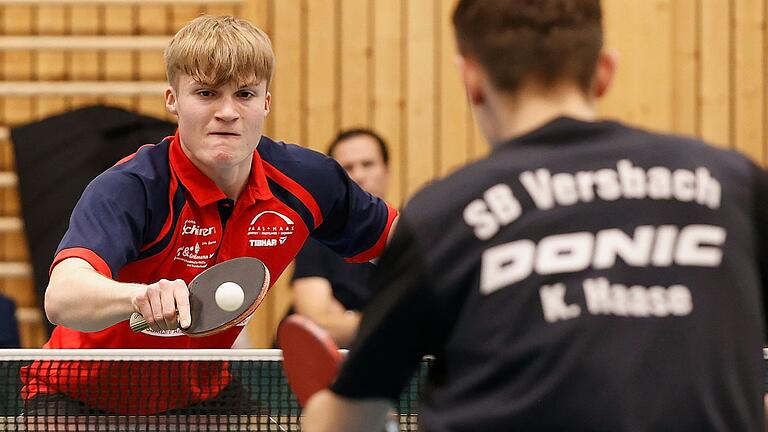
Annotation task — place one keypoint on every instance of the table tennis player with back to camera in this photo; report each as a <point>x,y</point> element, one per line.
<point>586,275</point>
<point>215,191</point>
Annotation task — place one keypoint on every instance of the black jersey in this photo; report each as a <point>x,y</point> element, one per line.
<point>349,281</point>
<point>584,276</point>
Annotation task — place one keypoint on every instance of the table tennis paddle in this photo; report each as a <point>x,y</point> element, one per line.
<point>207,316</point>
<point>311,359</point>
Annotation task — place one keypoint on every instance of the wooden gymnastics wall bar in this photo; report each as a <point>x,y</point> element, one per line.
<point>82,88</point>
<point>5,133</point>
<point>75,43</point>
<point>10,269</point>
<point>28,315</point>
<point>10,224</point>
<point>8,179</point>
<point>117,2</point>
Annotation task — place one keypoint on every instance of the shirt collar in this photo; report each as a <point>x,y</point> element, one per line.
<point>204,191</point>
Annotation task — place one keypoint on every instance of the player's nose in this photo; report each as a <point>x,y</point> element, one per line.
<point>227,110</point>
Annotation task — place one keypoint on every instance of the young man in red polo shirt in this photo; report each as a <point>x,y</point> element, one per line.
<point>214,191</point>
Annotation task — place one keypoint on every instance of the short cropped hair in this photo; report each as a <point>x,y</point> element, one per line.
<point>351,133</point>
<point>219,49</point>
<point>540,41</point>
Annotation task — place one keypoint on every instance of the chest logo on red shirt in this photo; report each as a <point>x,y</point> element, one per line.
<point>191,228</point>
<point>269,228</point>
<point>197,245</point>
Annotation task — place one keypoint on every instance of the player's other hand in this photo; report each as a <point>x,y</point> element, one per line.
<point>164,304</point>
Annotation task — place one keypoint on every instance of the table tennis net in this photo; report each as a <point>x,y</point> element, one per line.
<point>157,390</point>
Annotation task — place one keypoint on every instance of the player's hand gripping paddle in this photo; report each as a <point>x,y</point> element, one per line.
<point>221,296</point>
<point>311,359</point>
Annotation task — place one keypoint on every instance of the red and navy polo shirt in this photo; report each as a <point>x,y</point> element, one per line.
<point>156,215</point>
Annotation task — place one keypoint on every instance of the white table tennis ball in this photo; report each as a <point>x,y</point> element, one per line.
<point>229,296</point>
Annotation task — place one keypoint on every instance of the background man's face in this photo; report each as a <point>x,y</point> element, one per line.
<point>361,157</point>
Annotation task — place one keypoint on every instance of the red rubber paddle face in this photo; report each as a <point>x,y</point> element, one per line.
<point>311,359</point>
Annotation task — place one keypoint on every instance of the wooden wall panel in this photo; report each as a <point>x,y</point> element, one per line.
<point>321,79</point>
<point>219,9</point>
<point>655,71</point>
<point>119,65</point>
<point>182,14</point>
<point>453,109</point>
<point>84,65</point>
<point>646,27</point>
<point>748,79</point>
<point>51,65</point>
<point>622,39</point>
<point>354,65</point>
<point>155,20</point>
<point>388,86</point>
<point>689,66</point>
<point>287,97</point>
<point>17,65</point>
<point>18,20</point>
<point>715,72</point>
<point>685,64</point>
<point>419,162</point>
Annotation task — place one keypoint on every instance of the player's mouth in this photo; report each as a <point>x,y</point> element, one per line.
<point>224,134</point>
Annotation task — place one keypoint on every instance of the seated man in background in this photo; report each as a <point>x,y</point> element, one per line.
<point>585,276</point>
<point>9,327</point>
<point>327,289</point>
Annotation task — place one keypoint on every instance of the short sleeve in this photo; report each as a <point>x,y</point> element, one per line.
<point>356,224</point>
<point>107,225</point>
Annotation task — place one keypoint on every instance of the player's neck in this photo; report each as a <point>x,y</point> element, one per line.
<point>231,180</point>
<point>507,117</point>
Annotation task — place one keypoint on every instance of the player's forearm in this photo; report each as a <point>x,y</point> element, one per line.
<point>313,298</point>
<point>328,412</point>
<point>341,326</point>
<point>82,299</point>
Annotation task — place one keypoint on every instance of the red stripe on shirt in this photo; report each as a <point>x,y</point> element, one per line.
<point>296,189</point>
<point>131,156</point>
<point>174,185</point>
<point>88,255</point>
<point>376,249</point>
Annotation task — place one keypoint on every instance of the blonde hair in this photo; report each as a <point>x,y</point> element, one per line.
<point>219,49</point>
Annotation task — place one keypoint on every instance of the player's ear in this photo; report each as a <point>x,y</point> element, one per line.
<point>472,77</point>
<point>267,102</point>
<point>605,70</point>
<point>170,100</point>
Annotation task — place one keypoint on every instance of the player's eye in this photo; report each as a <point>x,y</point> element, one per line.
<point>205,93</point>
<point>246,94</point>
